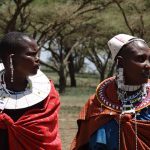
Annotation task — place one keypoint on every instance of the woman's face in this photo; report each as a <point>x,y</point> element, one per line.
<point>26,62</point>
<point>137,66</point>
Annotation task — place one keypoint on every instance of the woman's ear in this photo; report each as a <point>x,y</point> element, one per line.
<point>120,61</point>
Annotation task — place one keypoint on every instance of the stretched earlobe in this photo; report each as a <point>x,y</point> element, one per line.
<point>119,61</point>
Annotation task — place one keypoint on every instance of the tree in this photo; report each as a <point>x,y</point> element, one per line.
<point>70,28</point>
<point>70,31</point>
<point>138,23</point>
<point>16,17</point>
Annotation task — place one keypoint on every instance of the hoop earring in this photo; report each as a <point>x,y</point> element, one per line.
<point>11,69</point>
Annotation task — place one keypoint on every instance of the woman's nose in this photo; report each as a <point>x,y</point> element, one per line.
<point>37,59</point>
<point>147,65</point>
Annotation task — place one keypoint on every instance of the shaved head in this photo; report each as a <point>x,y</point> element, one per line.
<point>13,42</point>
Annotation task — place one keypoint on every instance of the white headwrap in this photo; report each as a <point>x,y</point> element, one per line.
<point>117,42</point>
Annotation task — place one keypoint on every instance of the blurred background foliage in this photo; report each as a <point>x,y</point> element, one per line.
<point>76,31</point>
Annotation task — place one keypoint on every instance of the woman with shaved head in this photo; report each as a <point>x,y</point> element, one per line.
<point>29,103</point>
<point>117,116</point>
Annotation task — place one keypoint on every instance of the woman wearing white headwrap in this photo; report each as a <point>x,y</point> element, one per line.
<point>117,116</point>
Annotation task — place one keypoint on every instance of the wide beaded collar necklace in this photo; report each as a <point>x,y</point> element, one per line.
<point>117,107</point>
<point>38,89</point>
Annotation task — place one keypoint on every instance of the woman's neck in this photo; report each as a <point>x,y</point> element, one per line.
<point>19,83</point>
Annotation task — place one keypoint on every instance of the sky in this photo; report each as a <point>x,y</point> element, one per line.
<point>44,56</point>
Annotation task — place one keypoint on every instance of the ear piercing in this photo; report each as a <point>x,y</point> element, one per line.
<point>11,69</point>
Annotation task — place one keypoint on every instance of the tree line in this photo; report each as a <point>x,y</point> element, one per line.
<point>73,30</point>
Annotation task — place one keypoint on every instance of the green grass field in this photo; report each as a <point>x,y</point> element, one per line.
<point>71,103</point>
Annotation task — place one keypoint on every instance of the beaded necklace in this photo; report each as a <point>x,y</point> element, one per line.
<point>129,103</point>
<point>137,105</point>
<point>38,88</point>
<point>28,87</point>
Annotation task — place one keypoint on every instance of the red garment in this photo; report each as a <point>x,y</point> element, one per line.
<point>95,114</point>
<point>37,129</point>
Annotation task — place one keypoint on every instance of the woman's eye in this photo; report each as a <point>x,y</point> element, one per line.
<point>32,54</point>
<point>141,58</point>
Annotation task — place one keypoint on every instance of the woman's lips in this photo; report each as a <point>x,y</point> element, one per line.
<point>36,67</point>
<point>146,74</point>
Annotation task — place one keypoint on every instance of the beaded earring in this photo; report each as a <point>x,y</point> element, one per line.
<point>11,69</point>
<point>120,78</point>
<point>120,83</point>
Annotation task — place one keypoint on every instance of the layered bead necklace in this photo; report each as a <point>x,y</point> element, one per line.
<point>131,102</point>
<point>130,96</point>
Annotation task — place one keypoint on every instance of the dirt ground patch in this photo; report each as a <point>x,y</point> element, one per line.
<point>68,126</point>
<point>71,103</point>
